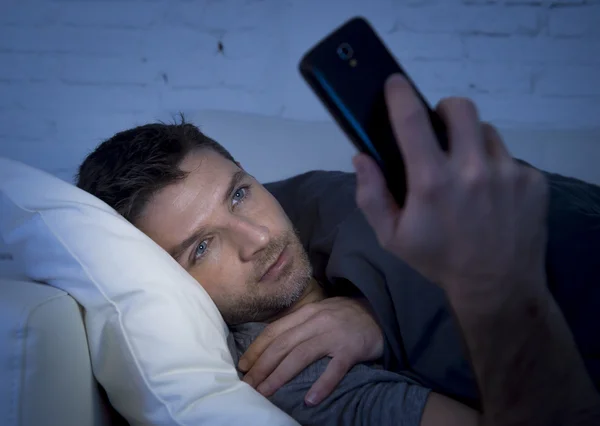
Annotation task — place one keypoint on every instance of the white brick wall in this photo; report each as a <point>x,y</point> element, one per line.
<point>73,72</point>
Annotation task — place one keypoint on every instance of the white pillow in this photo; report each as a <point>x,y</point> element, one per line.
<point>157,341</point>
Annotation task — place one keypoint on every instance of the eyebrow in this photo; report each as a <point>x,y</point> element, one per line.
<point>236,178</point>
<point>177,251</point>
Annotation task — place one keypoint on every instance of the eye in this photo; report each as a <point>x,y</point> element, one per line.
<point>201,250</point>
<point>240,194</point>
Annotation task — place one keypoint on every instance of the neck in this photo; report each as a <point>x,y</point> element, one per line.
<point>312,294</point>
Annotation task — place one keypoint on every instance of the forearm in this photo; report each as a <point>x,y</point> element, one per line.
<point>366,396</point>
<point>525,359</point>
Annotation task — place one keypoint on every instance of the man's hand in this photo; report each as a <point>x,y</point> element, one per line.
<point>474,221</point>
<point>340,328</point>
<point>471,215</point>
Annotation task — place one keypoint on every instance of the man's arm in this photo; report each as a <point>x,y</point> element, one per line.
<point>475,223</point>
<point>441,410</point>
<point>531,363</point>
<point>367,397</point>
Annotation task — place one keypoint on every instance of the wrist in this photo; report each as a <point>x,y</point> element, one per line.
<point>496,295</point>
<point>520,344</point>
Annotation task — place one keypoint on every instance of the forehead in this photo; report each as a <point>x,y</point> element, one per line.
<point>201,164</point>
<point>176,210</point>
<point>207,174</point>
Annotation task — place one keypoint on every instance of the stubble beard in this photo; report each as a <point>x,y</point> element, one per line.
<point>257,305</point>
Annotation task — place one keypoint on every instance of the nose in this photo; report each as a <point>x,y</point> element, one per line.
<point>250,237</point>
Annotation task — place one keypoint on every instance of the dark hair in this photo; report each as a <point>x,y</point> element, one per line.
<point>126,170</point>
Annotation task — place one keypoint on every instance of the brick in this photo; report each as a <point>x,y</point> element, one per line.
<point>532,50</point>
<point>175,44</point>
<point>245,74</point>
<point>93,129</point>
<point>221,98</point>
<point>410,45</point>
<point>42,97</point>
<point>253,74</point>
<point>531,110</point>
<point>225,15</point>
<point>196,72</point>
<point>257,45</point>
<point>109,71</point>
<point>456,18</point>
<point>538,110</point>
<point>323,18</point>
<point>23,126</point>
<point>240,63</point>
<point>64,128</point>
<point>302,105</point>
<point>379,13</point>
<point>23,13</point>
<point>107,14</point>
<point>70,40</point>
<point>463,78</point>
<point>568,80</point>
<point>574,22</point>
<point>47,155</point>
<point>545,3</point>
<point>75,134</point>
<point>30,66</point>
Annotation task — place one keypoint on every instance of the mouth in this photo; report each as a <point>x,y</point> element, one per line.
<point>277,267</point>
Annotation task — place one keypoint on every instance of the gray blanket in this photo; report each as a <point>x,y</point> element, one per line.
<point>367,395</point>
<point>421,338</point>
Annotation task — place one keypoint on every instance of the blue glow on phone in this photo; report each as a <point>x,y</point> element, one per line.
<point>353,122</point>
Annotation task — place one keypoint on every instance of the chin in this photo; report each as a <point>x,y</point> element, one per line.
<point>297,285</point>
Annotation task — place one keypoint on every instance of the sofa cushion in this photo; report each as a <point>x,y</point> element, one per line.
<point>42,383</point>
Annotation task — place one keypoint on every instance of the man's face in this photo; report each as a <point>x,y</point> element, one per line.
<point>232,236</point>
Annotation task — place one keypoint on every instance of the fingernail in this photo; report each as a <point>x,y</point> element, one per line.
<point>263,389</point>
<point>311,399</point>
<point>243,365</point>
<point>395,80</point>
<point>358,164</point>
<point>361,170</point>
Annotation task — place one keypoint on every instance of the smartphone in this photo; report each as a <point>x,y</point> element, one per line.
<point>347,71</point>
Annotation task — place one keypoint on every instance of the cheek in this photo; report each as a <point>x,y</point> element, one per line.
<point>271,214</point>
<point>222,277</point>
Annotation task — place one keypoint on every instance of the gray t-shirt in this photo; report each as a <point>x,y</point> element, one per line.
<point>367,395</point>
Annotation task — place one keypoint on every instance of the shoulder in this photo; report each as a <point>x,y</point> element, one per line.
<point>314,185</point>
<point>316,201</point>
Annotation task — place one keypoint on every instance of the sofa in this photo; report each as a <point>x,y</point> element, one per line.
<point>45,372</point>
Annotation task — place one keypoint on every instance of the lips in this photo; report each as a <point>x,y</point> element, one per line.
<point>274,270</point>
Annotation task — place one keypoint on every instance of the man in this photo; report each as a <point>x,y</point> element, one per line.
<point>190,196</point>
<point>187,193</point>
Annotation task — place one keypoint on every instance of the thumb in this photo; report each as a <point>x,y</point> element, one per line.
<point>374,198</point>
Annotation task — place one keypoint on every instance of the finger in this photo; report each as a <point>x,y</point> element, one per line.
<point>271,332</point>
<point>331,377</point>
<point>494,143</point>
<point>272,357</point>
<point>412,127</point>
<point>374,198</point>
<point>297,360</point>
<point>464,129</point>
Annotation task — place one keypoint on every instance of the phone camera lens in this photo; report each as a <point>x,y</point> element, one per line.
<point>345,51</point>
